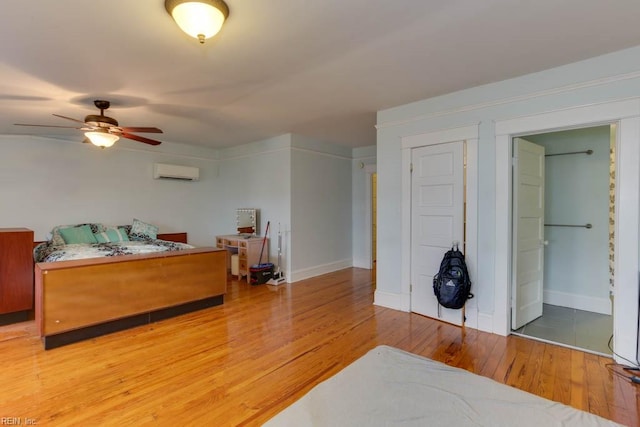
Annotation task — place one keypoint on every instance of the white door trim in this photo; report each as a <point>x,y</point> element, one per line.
<point>627,114</point>
<point>470,135</point>
<point>368,220</point>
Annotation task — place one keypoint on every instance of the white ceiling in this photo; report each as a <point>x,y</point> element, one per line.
<point>316,68</point>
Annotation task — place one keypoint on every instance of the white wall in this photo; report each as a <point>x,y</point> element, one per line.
<point>320,208</point>
<point>611,77</point>
<point>303,184</point>
<point>300,183</point>
<point>47,182</point>
<point>576,260</point>
<point>258,175</point>
<point>364,158</point>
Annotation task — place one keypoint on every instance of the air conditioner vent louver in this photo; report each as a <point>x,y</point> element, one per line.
<point>175,172</point>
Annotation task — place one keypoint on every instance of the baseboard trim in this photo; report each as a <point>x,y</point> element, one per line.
<point>362,263</point>
<point>394,301</point>
<point>307,273</point>
<point>578,302</point>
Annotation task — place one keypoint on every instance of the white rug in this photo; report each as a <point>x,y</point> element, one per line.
<point>390,387</point>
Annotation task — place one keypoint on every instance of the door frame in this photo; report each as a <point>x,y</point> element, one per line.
<point>368,215</point>
<point>470,135</point>
<point>626,114</point>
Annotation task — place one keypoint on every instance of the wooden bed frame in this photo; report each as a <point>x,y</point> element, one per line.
<point>82,299</point>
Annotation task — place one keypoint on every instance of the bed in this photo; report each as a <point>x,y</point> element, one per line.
<point>388,387</point>
<point>117,285</point>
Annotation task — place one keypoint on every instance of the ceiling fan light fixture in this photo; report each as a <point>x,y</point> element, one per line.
<point>201,19</point>
<point>101,138</point>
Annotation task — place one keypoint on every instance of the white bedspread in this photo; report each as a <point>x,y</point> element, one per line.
<point>390,387</point>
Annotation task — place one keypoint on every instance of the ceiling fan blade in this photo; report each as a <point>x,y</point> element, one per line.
<point>47,126</point>
<point>69,118</point>
<point>140,129</point>
<point>140,138</point>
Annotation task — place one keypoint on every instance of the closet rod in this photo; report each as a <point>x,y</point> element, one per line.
<point>587,152</point>
<point>567,225</point>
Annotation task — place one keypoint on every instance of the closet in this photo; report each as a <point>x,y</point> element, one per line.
<point>579,202</point>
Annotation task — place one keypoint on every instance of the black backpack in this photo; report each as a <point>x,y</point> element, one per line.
<point>451,284</point>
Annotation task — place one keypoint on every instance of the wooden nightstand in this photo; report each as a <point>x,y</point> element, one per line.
<point>16,270</point>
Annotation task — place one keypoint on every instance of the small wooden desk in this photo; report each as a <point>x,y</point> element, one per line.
<point>247,248</point>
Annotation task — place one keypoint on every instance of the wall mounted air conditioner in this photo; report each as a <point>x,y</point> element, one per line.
<point>182,173</point>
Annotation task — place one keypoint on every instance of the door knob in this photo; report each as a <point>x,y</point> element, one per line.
<point>545,242</point>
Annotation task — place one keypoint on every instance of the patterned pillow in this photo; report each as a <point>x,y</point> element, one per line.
<point>143,231</point>
<point>112,234</point>
<point>126,228</point>
<point>40,251</point>
<point>56,237</point>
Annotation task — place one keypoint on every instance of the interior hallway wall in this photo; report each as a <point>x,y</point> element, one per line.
<point>321,207</point>
<point>301,183</point>
<point>258,175</point>
<point>363,159</point>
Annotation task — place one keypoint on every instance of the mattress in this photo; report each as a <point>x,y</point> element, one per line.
<point>390,387</point>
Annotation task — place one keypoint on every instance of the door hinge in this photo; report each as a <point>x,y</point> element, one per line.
<point>410,287</point>
<point>410,167</point>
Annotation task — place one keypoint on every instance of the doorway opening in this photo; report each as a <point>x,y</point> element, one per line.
<point>439,191</point>
<point>374,223</point>
<point>563,250</point>
<point>626,116</point>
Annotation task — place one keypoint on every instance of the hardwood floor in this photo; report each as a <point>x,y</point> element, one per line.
<point>245,361</point>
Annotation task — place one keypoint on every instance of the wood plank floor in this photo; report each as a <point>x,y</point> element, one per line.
<point>245,361</point>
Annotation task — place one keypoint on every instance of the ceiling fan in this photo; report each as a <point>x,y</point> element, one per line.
<point>103,131</point>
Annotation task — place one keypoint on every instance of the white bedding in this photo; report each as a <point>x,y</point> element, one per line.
<point>390,387</point>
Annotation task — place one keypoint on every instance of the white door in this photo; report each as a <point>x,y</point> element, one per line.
<point>437,220</point>
<point>528,232</point>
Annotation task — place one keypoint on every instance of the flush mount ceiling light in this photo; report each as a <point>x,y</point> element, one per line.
<point>101,138</point>
<point>201,19</point>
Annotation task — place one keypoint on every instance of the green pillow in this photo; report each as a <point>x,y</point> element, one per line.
<point>82,234</point>
<point>56,237</point>
<point>112,235</point>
